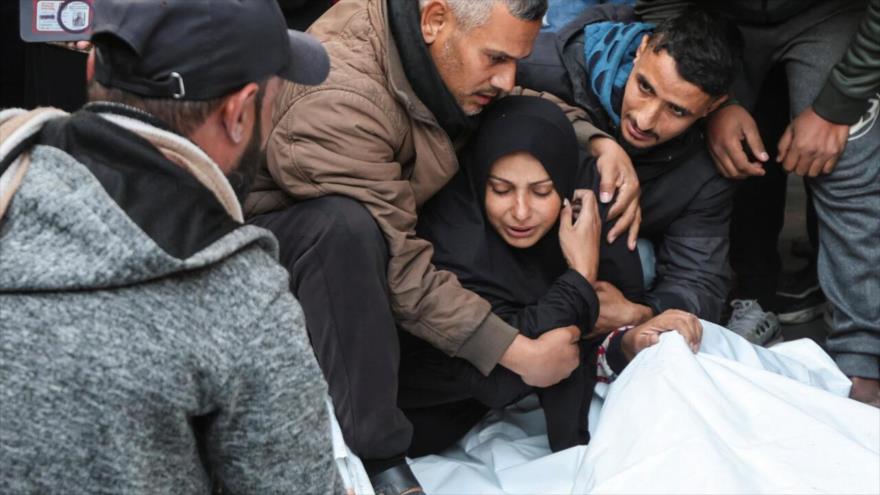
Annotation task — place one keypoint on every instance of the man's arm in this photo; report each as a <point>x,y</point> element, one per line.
<point>352,152</point>
<point>693,273</point>
<point>815,139</point>
<point>844,98</point>
<point>272,430</point>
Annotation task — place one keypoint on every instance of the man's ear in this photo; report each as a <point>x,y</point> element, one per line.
<point>435,16</point>
<point>643,45</point>
<point>716,103</point>
<point>238,112</point>
<point>90,66</point>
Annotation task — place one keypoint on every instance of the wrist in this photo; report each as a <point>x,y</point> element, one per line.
<point>599,145</point>
<point>641,313</point>
<point>587,271</point>
<point>627,346</point>
<point>517,354</point>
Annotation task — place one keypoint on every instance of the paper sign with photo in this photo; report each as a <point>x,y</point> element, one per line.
<point>56,20</point>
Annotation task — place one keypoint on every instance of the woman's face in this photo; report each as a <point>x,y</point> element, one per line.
<point>521,202</point>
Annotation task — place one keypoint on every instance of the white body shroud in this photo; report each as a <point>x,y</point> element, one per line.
<point>735,418</point>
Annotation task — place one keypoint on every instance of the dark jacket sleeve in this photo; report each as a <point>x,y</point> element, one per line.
<point>844,98</point>
<point>571,300</point>
<point>693,273</point>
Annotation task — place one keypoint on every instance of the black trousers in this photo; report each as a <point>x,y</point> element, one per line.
<point>759,205</point>
<point>337,259</point>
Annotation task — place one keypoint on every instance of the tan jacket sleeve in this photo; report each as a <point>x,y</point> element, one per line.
<point>580,120</point>
<point>335,141</point>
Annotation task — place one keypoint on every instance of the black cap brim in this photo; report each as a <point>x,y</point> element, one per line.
<point>309,63</point>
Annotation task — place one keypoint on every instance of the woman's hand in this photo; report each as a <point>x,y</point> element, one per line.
<point>579,238</point>
<point>635,340</point>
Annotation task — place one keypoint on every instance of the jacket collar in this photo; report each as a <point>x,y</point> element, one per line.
<point>393,65</point>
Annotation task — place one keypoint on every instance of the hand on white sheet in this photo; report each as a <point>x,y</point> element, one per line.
<point>579,235</point>
<point>547,360</point>
<point>647,334</point>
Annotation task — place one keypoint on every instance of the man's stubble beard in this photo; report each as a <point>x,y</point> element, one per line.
<point>454,66</point>
<point>242,176</point>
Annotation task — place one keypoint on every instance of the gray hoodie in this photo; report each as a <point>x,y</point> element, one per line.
<point>148,341</point>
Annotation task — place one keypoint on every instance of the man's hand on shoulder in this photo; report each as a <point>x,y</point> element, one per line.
<point>544,361</point>
<point>617,174</point>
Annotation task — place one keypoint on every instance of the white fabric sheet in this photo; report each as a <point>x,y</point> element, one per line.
<point>734,418</point>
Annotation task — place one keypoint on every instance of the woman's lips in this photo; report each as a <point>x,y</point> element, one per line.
<point>520,232</point>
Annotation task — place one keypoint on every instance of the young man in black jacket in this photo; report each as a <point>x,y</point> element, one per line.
<point>647,87</point>
<point>831,55</point>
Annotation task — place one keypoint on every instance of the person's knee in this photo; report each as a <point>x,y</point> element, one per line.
<point>347,223</point>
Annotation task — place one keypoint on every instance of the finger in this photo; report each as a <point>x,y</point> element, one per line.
<point>828,166</point>
<point>802,167</point>
<point>623,223</point>
<point>816,167</point>
<point>784,144</point>
<point>699,330</point>
<point>696,331</point>
<point>607,185</point>
<point>725,165</point>
<point>565,214</point>
<point>634,230</point>
<point>580,193</point>
<point>755,143</point>
<point>627,194</point>
<point>741,162</point>
<point>684,329</point>
<point>589,208</point>
<point>792,156</point>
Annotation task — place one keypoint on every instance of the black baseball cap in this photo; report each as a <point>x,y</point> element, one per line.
<point>199,49</point>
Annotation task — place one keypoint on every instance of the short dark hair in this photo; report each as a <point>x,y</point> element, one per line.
<point>182,116</point>
<point>706,48</point>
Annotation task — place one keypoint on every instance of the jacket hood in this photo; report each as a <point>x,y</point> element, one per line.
<point>100,203</point>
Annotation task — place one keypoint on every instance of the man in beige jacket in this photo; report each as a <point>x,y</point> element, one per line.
<point>349,164</point>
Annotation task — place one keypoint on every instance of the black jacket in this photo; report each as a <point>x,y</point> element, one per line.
<point>686,203</point>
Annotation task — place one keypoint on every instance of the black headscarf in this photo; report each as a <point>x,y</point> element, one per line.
<point>455,220</point>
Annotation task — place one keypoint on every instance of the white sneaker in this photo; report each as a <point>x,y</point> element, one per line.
<point>753,323</point>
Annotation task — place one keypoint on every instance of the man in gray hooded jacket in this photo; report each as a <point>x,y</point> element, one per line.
<point>148,340</point>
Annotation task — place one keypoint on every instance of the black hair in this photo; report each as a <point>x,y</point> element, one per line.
<point>706,48</point>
